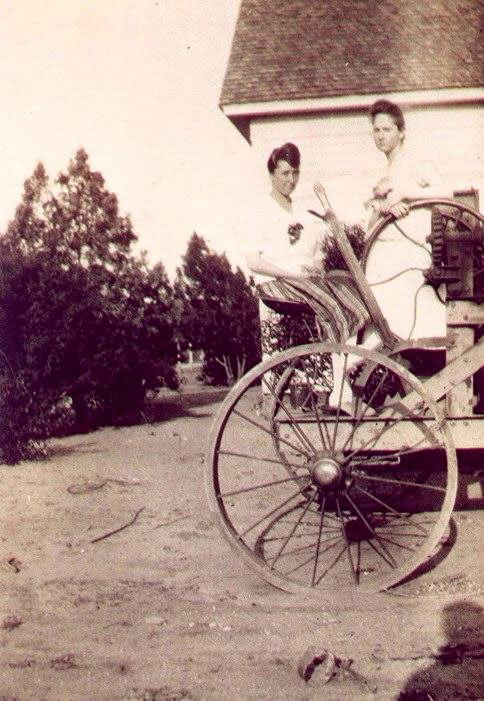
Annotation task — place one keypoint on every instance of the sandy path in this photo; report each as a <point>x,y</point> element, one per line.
<point>164,610</point>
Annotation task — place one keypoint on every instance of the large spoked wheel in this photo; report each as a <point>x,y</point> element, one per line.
<point>342,497</point>
<point>396,254</point>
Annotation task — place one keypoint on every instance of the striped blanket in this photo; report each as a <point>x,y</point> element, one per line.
<point>333,298</point>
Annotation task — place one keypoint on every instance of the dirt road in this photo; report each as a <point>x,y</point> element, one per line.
<point>163,609</point>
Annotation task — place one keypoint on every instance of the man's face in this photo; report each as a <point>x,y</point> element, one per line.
<point>386,134</point>
<point>285,178</point>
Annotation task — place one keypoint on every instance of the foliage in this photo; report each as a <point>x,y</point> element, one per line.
<point>332,258</point>
<point>280,332</point>
<point>217,312</point>
<point>86,324</point>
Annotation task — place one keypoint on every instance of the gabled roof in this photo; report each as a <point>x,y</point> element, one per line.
<point>299,49</point>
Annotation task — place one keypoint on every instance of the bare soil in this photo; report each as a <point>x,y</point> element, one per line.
<point>163,609</point>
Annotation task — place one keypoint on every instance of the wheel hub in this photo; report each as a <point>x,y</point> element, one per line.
<point>326,472</point>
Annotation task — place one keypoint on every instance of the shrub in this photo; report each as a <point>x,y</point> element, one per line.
<point>82,320</point>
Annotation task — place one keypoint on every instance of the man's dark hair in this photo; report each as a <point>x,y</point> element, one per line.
<point>387,107</point>
<point>287,152</point>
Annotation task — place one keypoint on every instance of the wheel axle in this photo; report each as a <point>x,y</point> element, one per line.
<point>326,471</point>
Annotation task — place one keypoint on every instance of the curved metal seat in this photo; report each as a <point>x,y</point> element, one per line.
<point>286,306</point>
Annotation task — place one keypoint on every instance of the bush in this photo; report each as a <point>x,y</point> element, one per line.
<point>85,327</point>
<point>218,313</point>
<point>332,258</point>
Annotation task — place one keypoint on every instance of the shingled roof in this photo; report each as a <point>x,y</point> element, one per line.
<point>299,49</point>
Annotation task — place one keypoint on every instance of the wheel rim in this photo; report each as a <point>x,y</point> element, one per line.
<point>336,501</point>
<point>427,203</point>
<point>396,255</point>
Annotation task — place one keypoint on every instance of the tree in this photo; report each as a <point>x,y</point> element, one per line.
<point>218,313</point>
<point>85,320</point>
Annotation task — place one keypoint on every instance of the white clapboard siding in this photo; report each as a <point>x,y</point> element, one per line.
<point>337,149</point>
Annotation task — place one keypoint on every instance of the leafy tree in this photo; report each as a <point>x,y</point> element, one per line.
<point>85,321</point>
<point>332,256</point>
<point>217,312</point>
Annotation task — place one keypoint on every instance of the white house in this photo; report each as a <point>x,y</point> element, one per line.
<point>306,71</point>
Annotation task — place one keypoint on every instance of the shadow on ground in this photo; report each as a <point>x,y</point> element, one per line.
<point>180,404</point>
<point>456,672</point>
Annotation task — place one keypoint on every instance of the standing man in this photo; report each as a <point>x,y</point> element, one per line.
<point>401,253</point>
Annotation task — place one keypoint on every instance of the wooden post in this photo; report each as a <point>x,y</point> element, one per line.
<point>462,319</point>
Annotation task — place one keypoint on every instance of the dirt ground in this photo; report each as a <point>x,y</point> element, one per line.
<point>163,609</point>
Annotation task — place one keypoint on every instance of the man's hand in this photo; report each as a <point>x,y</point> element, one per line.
<point>382,188</point>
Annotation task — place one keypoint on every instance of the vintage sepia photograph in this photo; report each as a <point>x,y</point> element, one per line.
<point>241,350</point>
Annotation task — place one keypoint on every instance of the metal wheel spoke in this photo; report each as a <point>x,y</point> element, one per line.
<point>293,520</point>
<point>300,536</point>
<point>329,516</point>
<point>403,483</point>
<point>310,559</point>
<point>381,555</point>
<point>283,546</point>
<point>262,485</point>
<point>390,509</point>
<point>366,407</point>
<point>312,525</point>
<point>358,558</point>
<point>322,427</point>
<point>330,567</point>
<point>292,422</point>
<point>298,449</point>
<point>403,534</point>
<point>302,548</point>
<point>412,448</point>
<point>324,438</point>
<point>318,545</point>
<point>374,439</point>
<point>368,525</point>
<point>387,461</point>
<point>394,542</point>
<point>345,536</point>
<point>272,461</point>
<point>270,513</point>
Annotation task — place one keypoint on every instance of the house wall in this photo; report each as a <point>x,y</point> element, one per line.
<point>337,150</point>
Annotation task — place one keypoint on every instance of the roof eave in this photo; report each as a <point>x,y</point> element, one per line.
<point>242,113</point>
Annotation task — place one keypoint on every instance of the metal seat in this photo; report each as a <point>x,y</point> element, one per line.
<point>286,306</point>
